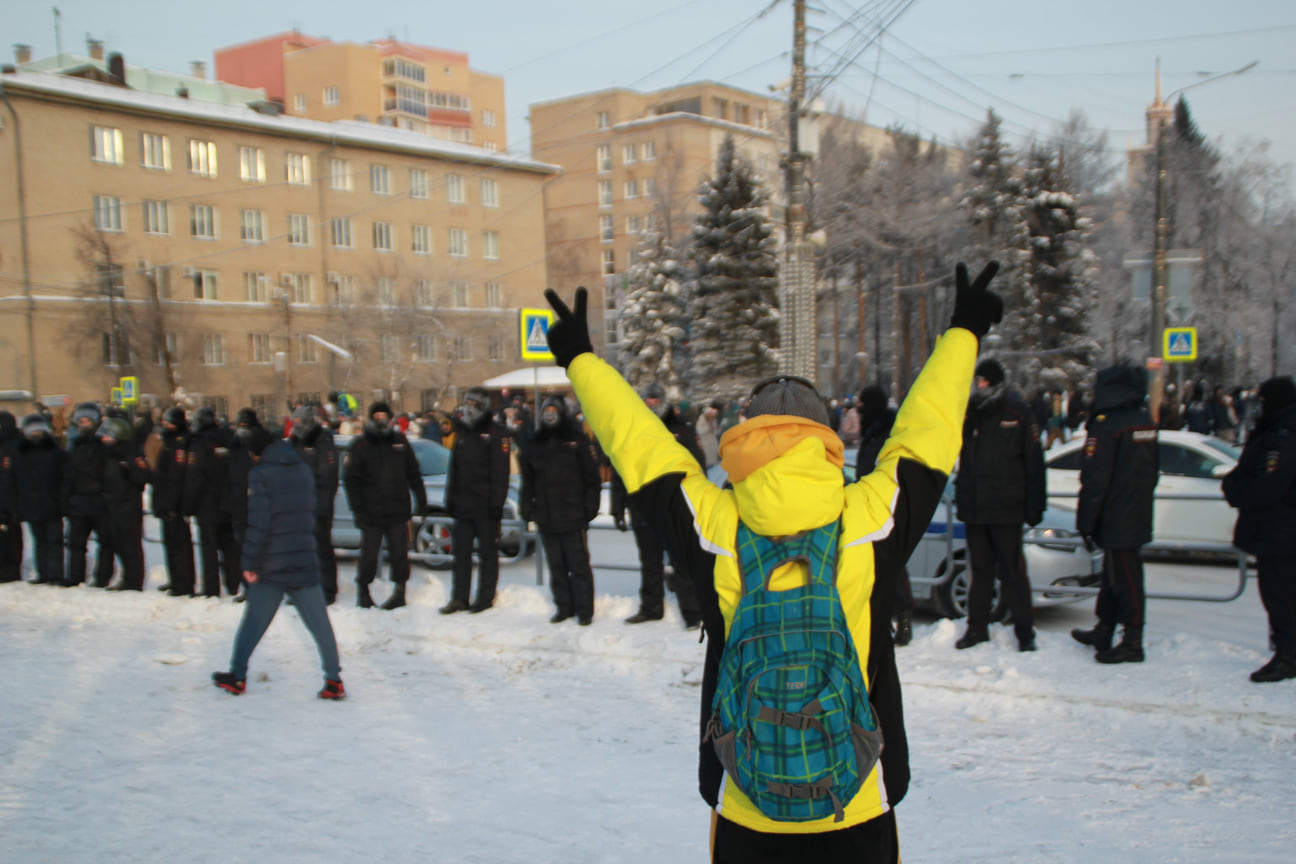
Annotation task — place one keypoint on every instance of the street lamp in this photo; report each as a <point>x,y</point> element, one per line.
<point>1156,336</point>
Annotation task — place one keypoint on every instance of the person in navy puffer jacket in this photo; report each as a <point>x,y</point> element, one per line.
<point>279,558</point>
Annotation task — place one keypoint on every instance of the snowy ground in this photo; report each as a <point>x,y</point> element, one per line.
<point>502,738</point>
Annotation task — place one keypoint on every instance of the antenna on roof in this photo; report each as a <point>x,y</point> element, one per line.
<point>58,34</point>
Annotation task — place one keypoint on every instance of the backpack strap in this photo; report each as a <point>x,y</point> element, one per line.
<point>760,556</point>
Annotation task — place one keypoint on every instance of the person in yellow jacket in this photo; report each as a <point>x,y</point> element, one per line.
<point>785,465</point>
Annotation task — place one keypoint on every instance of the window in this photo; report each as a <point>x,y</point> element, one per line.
<point>496,348</point>
<point>155,151</point>
<point>421,240</point>
<point>202,157</point>
<point>603,155</point>
<point>490,245</point>
<point>107,213</point>
<point>382,236</point>
<point>106,144</point>
<point>494,295</point>
<point>213,349</point>
<point>202,221</point>
<point>331,96</point>
<point>299,102</point>
<point>490,193</point>
<point>380,179</point>
<point>205,285</point>
<point>605,193</point>
<point>760,118</point>
<point>423,294</point>
<point>387,349</point>
<point>297,169</point>
<point>607,232</point>
<point>111,279</point>
<point>157,217</point>
<point>425,348</point>
<point>116,349</point>
<point>300,289</point>
<point>160,278</point>
<point>458,242</point>
<point>169,347</point>
<point>602,120</point>
<point>632,225</point>
<point>263,404</point>
<point>455,189</point>
<point>649,151</point>
<point>341,288</point>
<point>630,154</point>
<point>400,67</point>
<point>458,293</point>
<point>252,226</point>
<point>632,189</point>
<point>649,187</point>
<point>609,262</point>
<point>419,186</point>
<point>252,164</point>
<point>340,175</point>
<point>259,348</point>
<point>386,291</point>
<point>453,101</point>
<point>1183,462</point>
<point>340,228</point>
<point>307,350</point>
<point>460,348</point>
<point>488,118</point>
<point>489,145</point>
<point>299,229</point>
<point>255,287</point>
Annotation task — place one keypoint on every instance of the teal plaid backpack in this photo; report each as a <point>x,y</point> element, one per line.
<point>791,719</point>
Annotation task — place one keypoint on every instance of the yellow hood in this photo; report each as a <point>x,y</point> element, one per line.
<point>786,473</point>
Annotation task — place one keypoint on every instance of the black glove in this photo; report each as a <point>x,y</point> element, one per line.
<point>620,523</point>
<point>975,307</point>
<point>569,335</point>
<point>1033,519</point>
<point>1089,543</point>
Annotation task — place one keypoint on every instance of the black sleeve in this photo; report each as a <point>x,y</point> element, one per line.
<point>920,494</point>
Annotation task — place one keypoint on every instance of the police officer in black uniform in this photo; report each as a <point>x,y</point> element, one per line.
<point>38,477</point>
<point>475,493</point>
<point>168,480</point>
<point>240,463</point>
<point>206,498</point>
<point>313,441</point>
<point>1117,483</point>
<point>11,539</point>
<point>126,473</point>
<point>83,498</point>
<point>1263,489</point>
<point>381,473</point>
<point>560,492</point>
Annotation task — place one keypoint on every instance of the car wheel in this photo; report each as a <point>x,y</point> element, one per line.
<point>952,594</point>
<point>433,538</point>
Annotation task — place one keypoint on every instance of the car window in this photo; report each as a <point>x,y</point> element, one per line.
<point>1068,461</point>
<point>1183,462</point>
<point>432,457</point>
<point>1232,451</point>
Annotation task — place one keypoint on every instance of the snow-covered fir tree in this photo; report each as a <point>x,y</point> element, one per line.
<point>651,316</point>
<point>733,299</point>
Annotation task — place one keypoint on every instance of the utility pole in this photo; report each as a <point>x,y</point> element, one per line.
<point>796,277</point>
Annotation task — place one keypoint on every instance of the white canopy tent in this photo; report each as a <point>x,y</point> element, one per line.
<point>533,377</point>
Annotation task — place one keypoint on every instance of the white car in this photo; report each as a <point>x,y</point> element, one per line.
<point>1190,510</point>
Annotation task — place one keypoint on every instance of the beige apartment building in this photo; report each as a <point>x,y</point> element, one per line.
<point>427,90</point>
<point>250,259</point>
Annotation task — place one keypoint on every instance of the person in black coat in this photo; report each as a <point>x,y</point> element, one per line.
<point>11,539</point>
<point>126,473</point>
<point>1000,485</point>
<point>168,481</point>
<point>313,441</point>
<point>381,474</point>
<point>1263,489</point>
<point>240,462</point>
<point>560,493</point>
<point>1118,480</point>
<point>38,478</point>
<point>649,536</point>
<point>83,498</point>
<point>206,497</point>
<point>476,489</point>
<point>279,558</point>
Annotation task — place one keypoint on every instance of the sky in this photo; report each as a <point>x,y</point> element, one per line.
<point>939,65</point>
<point>500,738</point>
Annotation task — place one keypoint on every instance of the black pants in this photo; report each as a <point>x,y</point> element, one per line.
<point>1276,576</point>
<point>11,548</point>
<point>571,578</point>
<point>128,545</point>
<point>178,543</point>
<point>47,549</point>
<point>872,842</point>
<point>652,578</point>
<point>327,559</point>
<point>220,557</point>
<point>79,528</point>
<point>371,540</point>
<point>996,551</point>
<point>1121,598</point>
<point>462,534</point>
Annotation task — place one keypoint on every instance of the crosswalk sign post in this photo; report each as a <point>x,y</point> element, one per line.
<point>535,334</point>
<point>1179,344</point>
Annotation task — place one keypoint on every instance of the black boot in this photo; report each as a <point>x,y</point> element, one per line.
<point>1099,638</point>
<point>1280,668</point>
<point>363,600</point>
<point>1126,652</point>
<point>904,628</point>
<point>970,638</point>
<point>453,606</point>
<point>397,599</point>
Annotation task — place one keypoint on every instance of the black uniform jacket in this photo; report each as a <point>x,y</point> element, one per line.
<point>560,479</point>
<point>381,474</point>
<point>317,450</point>
<point>479,471</point>
<point>1119,473</point>
<point>1001,466</point>
<point>83,481</point>
<point>1263,488</point>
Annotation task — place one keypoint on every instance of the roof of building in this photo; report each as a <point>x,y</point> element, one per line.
<point>152,80</point>
<point>655,93</point>
<point>353,132</point>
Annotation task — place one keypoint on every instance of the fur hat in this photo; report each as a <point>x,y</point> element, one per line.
<point>789,395</point>
<point>378,407</point>
<point>991,370</point>
<point>247,417</point>
<point>1276,394</point>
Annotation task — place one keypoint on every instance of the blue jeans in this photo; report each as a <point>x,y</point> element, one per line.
<point>262,603</point>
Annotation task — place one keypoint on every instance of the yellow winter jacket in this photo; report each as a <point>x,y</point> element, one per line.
<point>787,478</point>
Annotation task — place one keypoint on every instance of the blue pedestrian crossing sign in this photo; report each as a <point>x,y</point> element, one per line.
<point>129,390</point>
<point>535,334</point>
<point>1180,344</point>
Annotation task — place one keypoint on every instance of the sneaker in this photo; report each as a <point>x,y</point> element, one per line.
<point>969,639</point>
<point>452,607</point>
<point>1277,669</point>
<point>1097,638</point>
<point>641,616</point>
<point>332,690</point>
<point>227,682</point>
<point>1125,652</point>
